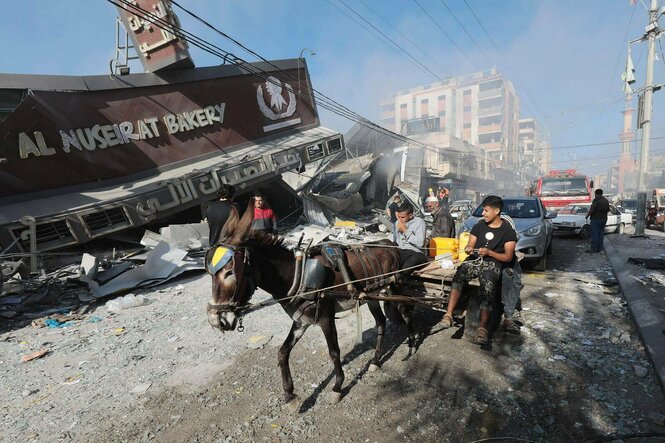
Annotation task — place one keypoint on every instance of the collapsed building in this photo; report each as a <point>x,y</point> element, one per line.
<point>82,157</point>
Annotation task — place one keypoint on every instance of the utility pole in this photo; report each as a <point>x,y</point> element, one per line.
<point>652,32</point>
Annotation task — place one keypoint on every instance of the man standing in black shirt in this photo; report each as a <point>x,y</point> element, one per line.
<point>598,214</point>
<point>219,212</point>
<point>392,213</point>
<point>495,240</point>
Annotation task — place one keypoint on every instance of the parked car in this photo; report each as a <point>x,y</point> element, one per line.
<point>457,209</point>
<point>572,220</point>
<point>533,225</point>
<point>626,212</point>
<point>629,206</point>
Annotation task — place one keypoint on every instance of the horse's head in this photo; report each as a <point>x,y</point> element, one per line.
<point>228,263</point>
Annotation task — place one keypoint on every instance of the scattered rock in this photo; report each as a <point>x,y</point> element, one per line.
<point>656,418</point>
<point>258,341</point>
<point>142,388</point>
<point>624,337</point>
<point>34,355</point>
<point>640,371</point>
<point>538,429</point>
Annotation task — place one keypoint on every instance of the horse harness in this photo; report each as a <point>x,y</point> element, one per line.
<point>219,257</point>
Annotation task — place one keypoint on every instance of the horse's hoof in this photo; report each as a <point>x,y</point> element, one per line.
<point>294,404</point>
<point>373,367</point>
<point>335,397</point>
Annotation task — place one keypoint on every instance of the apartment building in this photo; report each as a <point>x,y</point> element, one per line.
<point>535,151</point>
<point>480,108</point>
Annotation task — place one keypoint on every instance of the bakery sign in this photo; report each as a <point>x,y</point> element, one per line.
<point>100,137</point>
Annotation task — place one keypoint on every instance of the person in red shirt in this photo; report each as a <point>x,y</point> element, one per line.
<point>264,217</point>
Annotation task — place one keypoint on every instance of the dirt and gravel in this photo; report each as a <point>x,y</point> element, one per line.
<point>158,372</point>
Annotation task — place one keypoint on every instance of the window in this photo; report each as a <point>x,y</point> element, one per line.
<point>467,109</point>
<point>442,113</point>
<point>488,86</point>
<point>402,106</point>
<point>467,125</point>
<point>467,92</point>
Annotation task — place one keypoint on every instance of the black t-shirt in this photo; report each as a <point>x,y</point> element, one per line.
<point>499,236</point>
<point>217,214</point>
<point>393,211</point>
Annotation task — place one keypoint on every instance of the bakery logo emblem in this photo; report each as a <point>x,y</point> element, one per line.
<point>272,103</point>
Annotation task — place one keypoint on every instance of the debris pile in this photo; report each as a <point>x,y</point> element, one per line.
<point>59,297</point>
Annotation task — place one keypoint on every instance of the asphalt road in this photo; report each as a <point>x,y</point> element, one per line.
<point>577,372</point>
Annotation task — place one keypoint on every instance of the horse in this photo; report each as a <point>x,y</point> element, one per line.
<point>257,259</point>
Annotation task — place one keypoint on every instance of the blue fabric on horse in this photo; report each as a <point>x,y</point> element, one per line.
<point>217,258</point>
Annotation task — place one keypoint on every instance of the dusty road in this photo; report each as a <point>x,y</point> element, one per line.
<point>159,372</point>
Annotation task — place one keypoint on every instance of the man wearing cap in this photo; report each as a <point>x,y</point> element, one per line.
<point>443,225</point>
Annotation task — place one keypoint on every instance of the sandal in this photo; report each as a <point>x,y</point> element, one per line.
<point>447,321</point>
<point>510,326</point>
<point>481,337</point>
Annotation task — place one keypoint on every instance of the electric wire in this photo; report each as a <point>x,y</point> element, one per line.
<point>616,63</point>
<point>324,101</point>
<point>227,56</point>
<point>383,40</point>
<point>401,137</point>
<point>405,37</point>
<point>444,32</point>
<point>496,48</point>
<point>463,27</point>
<point>389,39</point>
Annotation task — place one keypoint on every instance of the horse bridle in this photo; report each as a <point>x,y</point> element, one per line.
<point>233,304</point>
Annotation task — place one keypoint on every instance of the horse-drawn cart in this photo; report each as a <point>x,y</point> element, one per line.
<point>312,285</point>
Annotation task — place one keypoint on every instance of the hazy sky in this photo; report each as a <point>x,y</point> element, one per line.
<point>564,56</point>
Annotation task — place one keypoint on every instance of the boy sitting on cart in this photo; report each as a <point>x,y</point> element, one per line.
<point>491,247</point>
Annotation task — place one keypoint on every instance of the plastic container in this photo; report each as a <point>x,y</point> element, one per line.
<point>442,245</point>
<point>126,302</point>
<point>463,241</point>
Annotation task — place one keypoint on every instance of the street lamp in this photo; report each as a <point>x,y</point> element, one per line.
<point>311,53</point>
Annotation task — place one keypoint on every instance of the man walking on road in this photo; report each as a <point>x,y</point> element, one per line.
<point>598,214</point>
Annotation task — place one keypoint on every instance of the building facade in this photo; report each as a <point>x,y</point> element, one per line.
<point>480,108</point>
<point>535,150</point>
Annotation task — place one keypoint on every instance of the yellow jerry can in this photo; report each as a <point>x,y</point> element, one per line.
<point>441,245</point>
<point>463,241</point>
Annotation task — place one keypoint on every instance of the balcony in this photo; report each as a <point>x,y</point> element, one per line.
<point>490,146</point>
<point>487,112</point>
<point>488,129</point>
<point>492,93</point>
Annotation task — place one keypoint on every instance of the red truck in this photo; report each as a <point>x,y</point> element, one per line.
<point>561,188</point>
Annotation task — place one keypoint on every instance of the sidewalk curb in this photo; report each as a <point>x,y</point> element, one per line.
<point>651,328</point>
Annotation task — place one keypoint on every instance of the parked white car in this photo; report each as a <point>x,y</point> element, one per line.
<point>457,209</point>
<point>571,220</point>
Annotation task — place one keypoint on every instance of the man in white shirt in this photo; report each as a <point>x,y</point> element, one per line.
<point>411,233</point>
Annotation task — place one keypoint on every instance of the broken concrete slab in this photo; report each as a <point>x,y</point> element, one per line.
<point>187,236</point>
<point>89,265</point>
<point>159,265</point>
